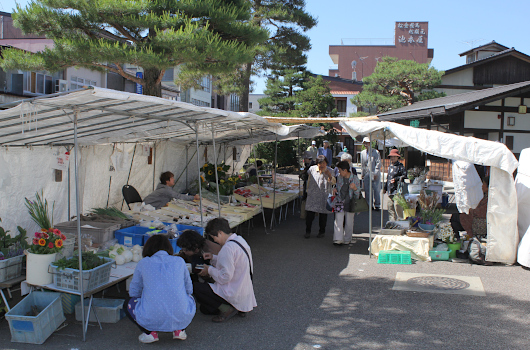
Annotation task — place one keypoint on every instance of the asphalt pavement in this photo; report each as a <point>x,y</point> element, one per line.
<point>314,295</point>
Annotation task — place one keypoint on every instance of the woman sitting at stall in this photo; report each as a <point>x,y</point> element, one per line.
<point>473,223</point>
<point>161,292</point>
<point>346,192</point>
<point>164,192</point>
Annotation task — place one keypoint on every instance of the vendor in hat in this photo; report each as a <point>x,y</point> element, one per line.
<point>396,175</point>
<point>313,150</point>
<point>366,154</point>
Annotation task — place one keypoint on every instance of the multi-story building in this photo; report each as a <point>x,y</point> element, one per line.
<point>356,58</point>
<point>16,85</point>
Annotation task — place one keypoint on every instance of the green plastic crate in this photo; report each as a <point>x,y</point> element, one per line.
<point>394,257</point>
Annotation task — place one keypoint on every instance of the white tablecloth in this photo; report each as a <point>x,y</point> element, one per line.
<point>419,247</point>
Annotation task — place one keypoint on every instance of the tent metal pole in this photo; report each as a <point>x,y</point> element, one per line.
<point>77,206</point>
<point>257,179</point>
<point>369,152</point>
<point>69,189</point>
<point>216,173</point>
<point>130,168</point>
<point>154,165</point>
<point>187,162</point>
<point>382,195</point>
<point>273,218</point>
<point>199,170</point>
<point>298,157</point>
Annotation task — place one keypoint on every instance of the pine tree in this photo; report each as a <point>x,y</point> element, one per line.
<point>201,37</point>
<point>287,21</point>
<point>397,83</point>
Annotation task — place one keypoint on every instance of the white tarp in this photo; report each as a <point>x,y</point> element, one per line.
<point>468,186</point>
<point>522,186</point>
<point>503,237</point>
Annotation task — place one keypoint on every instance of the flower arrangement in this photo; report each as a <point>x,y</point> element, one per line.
<point>47,241</point>
<point>12,246</point>
<point>209,171</point>
<point>429,214</point>
<point>417,175</point>
<point>445,233</point>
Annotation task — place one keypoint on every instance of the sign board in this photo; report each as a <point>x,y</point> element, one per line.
<point>415,123</point>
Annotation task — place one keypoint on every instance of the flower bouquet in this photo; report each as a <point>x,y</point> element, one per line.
<point>47,241</point>
<point>417,175</point>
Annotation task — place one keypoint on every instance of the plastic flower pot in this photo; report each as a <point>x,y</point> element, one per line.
<point>454,247</point>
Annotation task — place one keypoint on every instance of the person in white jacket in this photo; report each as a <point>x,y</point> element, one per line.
<point>376,174</point>
<point>231,269</point>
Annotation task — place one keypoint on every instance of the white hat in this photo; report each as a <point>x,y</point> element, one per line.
<point>313,142</point>
<point>366,139</point>
<point>326,141</point>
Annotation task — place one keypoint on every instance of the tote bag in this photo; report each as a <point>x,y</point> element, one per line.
<point>359,205</point>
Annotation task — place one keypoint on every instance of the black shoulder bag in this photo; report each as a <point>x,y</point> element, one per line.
<point>248,256</point>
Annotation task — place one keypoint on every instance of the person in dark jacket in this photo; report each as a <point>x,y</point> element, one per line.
<point>396,175</point>
<point>164,192</point>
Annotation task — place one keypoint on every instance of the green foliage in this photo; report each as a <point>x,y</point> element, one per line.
<point>12,246</point>
<point>396,83</point>
<point>286,152</point>
<point>39,211</point>
<point>90,261</point>
<point>209,171</point>
<point>287,21</point>
<point>298,94</point>
<point>431,216</point>
<point>202,37</point>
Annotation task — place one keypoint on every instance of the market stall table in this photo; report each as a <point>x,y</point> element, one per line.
<point>117,274</point>
<point>418,246</point>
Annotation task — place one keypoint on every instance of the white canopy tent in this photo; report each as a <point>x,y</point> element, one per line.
<point>34,131</point>
<point>503,237</point>
<point>522,185</point>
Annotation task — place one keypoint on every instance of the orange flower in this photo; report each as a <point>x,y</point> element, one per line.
<point>42,242</point>
<point>63,237</point>
<point>43,230</point>
<point>59,243</point>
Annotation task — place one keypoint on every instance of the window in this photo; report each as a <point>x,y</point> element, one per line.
<point>199,103</point>
<point>341,106</point>
<point>168,75</point>
<point>205,83</point>
<point>509,142</point>
<point>79,83</point>
<point>250,105</point>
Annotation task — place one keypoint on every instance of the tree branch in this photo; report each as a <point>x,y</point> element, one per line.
<point>124,32</point>
<point>121,72</point>
<point>160,76</point>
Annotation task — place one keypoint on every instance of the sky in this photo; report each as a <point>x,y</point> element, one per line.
<point>455,26</point>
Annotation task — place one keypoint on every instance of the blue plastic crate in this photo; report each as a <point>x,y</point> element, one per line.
<point>182,228</point>
<point>35,329</point>
<point>108,310</point>
<point>173,242</point>
<point>133,235</point>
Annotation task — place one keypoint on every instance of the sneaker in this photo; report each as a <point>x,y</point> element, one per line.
<point>306,235</point>
<point>180,334</point>
<point>148,338</point>
<point>338,242</point>
<point>353,241</point>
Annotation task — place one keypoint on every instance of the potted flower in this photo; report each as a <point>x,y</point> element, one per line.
<point>445,233</point>
<point>429,215</point>
<point>45,244</point>
<point>408,205</point>
<point>11,253</point>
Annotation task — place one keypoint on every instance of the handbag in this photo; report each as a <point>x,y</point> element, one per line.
<point>359,205</point>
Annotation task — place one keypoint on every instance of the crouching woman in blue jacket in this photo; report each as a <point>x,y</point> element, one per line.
<point>160,292</point>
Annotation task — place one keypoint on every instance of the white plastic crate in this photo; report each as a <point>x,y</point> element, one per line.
<point>35,329</point>
<point>68,279</point>
<point>11,268</point>
<point>108,310</point>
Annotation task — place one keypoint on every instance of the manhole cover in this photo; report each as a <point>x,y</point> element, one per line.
<point>440,283</point>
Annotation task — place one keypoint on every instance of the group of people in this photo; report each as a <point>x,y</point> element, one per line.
<point>320,181</point>
<point>163,295</point>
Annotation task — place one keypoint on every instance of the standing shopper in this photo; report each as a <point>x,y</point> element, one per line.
<point>326,151</point>
<point>308,162</point>
<point>396,176</point>
<point>231,269</point>
<point>376,174</point>
<point>160,292</point>
<point>347,191</point>
<point>313,150</point>
<point>319,182</point>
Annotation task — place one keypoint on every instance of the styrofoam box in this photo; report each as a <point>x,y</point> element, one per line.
<point>108,310</point>
<point>35,329</point>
